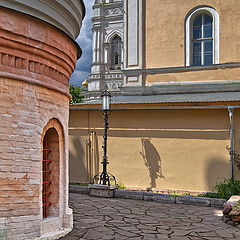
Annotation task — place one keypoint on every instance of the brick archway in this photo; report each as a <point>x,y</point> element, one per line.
<point>53,146</point>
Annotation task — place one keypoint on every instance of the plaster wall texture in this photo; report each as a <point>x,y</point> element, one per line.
<point>218,74</point>
<point>169,35</point>
<point>36,61</point>
<point>165,44</point>
<point>164,149</point>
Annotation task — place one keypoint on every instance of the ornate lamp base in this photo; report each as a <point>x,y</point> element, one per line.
<point>104,179</point>
<point>99,190</point>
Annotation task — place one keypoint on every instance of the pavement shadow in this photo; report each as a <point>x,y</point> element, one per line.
<point>152,161</point>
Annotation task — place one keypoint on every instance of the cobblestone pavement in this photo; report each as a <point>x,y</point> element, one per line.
<point>101,218</point>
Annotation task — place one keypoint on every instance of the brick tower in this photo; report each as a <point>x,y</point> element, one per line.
<point>37,56</point>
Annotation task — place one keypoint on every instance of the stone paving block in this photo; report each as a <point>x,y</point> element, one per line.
<point>72,238</point>
<point>92,234</point>
<point>120,237</point>
<point>162,236</point>
<point>177,221</point>
<point>164,198</point>
<point>3,233</point>
<point>128,194</point>
<point>179,238</point>
<point>150,236</point>
<point>108,237</point>
<point>206,202</point>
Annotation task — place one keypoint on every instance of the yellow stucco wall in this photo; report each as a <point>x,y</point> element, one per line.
<point>194,76</point>
<point>165,38</point>
<point>165,149</point>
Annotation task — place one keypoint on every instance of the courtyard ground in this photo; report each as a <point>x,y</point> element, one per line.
<point>115,218</point>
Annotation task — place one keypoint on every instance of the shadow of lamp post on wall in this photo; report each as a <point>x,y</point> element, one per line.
<point>103,180</point>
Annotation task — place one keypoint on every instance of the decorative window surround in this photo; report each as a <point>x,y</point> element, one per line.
<point>188,33</point>
<point>112,34</point>
<point>107,47</point>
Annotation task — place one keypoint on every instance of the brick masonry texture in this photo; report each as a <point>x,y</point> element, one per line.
<point>36,61</point>
<point>27,109</point>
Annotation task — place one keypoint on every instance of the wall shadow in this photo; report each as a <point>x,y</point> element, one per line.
<point>77,167</point>
<point>84,163</point>
<point>152,161</point>
<point>94,158</point>
<point>159,133</point>
<point>217,170</point>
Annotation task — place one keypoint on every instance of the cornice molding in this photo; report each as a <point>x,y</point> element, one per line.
<point>114,17</point>
<point>35,52</point>
<point>151,71</point>
<point>65,15</point>
<point>143,106</point>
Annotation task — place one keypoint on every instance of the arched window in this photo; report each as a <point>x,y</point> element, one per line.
<point>116,52</point>
<point>202,37</point>
<point>202,40</point>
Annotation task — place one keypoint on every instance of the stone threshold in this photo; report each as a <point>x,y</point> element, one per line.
<point>157,197</point>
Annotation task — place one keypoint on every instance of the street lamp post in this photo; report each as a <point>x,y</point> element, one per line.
<point>101,186</point>
<point>105,178</point>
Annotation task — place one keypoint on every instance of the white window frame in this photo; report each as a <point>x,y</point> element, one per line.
<point>107,48</point>
<point>189,32</point>
<point>112,57</point>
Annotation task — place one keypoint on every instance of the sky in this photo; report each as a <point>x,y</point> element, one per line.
<point>82,68</point>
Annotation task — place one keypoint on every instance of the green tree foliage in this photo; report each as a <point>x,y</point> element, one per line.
<point>75,93</point>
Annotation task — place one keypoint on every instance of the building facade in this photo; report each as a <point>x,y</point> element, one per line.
<point>107,47</point>
<point>37,55</point>
<point>178,107</point>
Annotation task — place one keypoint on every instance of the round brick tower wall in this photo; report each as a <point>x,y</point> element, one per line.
<point>36,60</point>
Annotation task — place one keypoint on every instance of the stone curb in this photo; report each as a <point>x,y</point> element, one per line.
<point>200,201</point>
<point>79,189</point>
<point>158,197</point>
<point>128,194</point>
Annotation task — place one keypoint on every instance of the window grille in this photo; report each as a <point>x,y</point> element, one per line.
<point>46,176</point>
<point>116,53</point>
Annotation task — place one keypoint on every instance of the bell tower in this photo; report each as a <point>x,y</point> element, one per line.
<point>107,47</point>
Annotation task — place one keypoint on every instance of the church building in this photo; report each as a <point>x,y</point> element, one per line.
<point>178,107</point>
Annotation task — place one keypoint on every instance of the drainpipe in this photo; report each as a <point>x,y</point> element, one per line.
<point>231,131</point>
